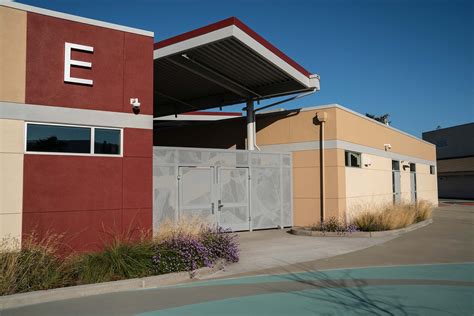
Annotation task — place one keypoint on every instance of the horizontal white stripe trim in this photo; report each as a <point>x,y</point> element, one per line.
<point>75,18</point>
<point>338,106</point>
<point>340,144</point>
<point>62,115</point>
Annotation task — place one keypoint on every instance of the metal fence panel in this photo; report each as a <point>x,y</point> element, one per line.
<point>270,185</point>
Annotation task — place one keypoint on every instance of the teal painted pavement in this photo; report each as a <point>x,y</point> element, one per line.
<point>450,292</point>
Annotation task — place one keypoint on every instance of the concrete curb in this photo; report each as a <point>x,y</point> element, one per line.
<point>37,297</point>
<point>305,232</point>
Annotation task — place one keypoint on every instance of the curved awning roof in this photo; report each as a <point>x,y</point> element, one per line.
<point>222,64</point>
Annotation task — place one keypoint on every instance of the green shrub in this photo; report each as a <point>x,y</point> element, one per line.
<point>118,260</point>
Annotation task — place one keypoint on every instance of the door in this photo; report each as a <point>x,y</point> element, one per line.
<point>397,196</point>
<point>413,182</point>
<point>233,198</point>
<point>396,186</point>
<point>195,189</point>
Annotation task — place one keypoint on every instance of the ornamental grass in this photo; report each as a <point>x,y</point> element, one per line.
<point>184,246</point>
<point>392,216</point>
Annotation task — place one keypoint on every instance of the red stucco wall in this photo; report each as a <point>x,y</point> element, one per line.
<point>89,199</point>
<point>122,66</point>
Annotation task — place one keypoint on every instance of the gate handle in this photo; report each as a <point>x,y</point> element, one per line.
<point>219,204</point>
<point>212,207</point>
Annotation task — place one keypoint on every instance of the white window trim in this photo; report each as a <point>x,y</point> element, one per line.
<point>91,151</point>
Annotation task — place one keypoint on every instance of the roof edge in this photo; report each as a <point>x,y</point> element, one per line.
<point>74,18</point>
<point>242,26</point>
<point>338,106</point>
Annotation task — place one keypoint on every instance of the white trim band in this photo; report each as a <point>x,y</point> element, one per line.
<point>62,115</point>
<point>341,144</point>
<point>75,18</point>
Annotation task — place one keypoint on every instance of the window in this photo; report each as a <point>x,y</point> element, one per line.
<point>55,138</point>
<point>107,141</point>
<point>432,169</point>
<point>352,159</point>
<point>395,165</point>
<point>412,167</point>
<point>51,138</point>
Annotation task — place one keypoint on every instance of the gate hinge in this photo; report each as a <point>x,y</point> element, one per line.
<point>250,177</point>
<point>178,177</point>
<point>250,219</point>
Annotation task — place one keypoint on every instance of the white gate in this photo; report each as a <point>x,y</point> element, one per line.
<point>236,189</point>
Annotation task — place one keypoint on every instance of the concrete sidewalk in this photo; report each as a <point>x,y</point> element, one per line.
<point>276,248</point>
<point>449,239</point>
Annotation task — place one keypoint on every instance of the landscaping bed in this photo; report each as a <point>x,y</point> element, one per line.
<point>385,220</point>
<point>182,247</point>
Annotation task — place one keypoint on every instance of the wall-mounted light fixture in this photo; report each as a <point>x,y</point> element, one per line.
<point>135,103</point>
<point>387,146</point>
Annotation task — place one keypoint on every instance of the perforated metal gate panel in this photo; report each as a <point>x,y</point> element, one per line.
<point>193,180</point>
<point>233,203</point>
<point>195,188</point>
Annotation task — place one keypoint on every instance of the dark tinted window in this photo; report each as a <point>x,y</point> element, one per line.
<point>395,165</point>
<point>412,167</point>
<point>432,169</point>
<point>52,138</point>
<point>352,159</point>
<point>107,141</point>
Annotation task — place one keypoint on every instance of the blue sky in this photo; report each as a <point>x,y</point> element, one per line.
<point>411,59</point>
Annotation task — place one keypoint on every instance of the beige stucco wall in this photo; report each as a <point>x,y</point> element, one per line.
<point>427,184</point>
<point>12,55</point>
<point>296,128</point>
<point>372,134</point>
<point>369,186</point>
<point>11,177</point>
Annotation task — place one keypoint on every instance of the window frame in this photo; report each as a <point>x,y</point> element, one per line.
<point>92,141</point>
<point>348,152</point>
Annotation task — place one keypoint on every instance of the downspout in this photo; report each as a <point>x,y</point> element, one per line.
<point>322,117</point>
<point>250,125</point>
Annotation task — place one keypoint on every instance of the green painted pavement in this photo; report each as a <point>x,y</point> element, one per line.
<point>380,300</point>
<point>353,300</point>
<point>453,272</point>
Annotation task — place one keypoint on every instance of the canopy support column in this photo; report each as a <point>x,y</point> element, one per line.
<point>250,125</point>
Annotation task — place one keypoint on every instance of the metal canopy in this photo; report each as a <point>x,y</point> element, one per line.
<point>222,64</point>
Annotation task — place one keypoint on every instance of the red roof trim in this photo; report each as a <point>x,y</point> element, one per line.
<point>213,113</point>
<point>240,25</point>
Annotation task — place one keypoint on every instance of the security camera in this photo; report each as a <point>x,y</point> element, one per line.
<point>135,103</point>
<point>387,146</point>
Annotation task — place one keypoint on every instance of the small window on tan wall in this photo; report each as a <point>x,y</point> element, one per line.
<point>353,159</point>
<point>432,169</point>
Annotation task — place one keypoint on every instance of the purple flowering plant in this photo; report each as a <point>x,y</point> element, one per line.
<point>184,252</point>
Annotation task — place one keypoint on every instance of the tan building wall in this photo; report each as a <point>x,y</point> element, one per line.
<point>11,177</point>
<point>307,189</point>
<point>373,134</point>
<point>12,55</point>
<point>427,184</point>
